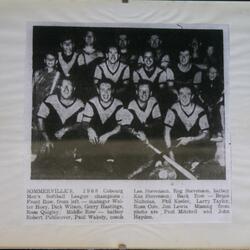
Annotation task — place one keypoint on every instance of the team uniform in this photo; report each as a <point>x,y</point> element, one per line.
<point>119,76</point>
<point>57,115</point>
<point>183,78</point>
<point>87,63</point>
<point>156,76</point>
<point>60,161</point>
<point>67,64</point>
<point>187,125</point>
<point>100,118</point>
<point>144,119</point>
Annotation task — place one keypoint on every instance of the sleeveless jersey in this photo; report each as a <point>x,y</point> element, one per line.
<point>185,77</point>
<point>67,64</point>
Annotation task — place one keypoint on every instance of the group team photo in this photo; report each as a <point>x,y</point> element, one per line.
<point>127,103</point>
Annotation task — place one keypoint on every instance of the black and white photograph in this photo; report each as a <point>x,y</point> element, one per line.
<point>128,103</point>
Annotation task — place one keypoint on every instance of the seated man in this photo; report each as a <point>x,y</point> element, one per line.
<point>186,127</point>
<point>146,125</point>
<point>57,118</point>
<point>100,119</point>
<point>146,111</point>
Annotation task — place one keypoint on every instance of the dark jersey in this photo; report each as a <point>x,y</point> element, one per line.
<point>212,91</point>
<point>57,115</point>
<point>87,63</point>
<point>185,125</point>
<point>101,119</point>
<point>142,117</point>
<point>67,64</point>
<point>185,77</point>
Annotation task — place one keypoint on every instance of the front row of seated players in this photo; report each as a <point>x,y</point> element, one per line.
<point>104,118</point>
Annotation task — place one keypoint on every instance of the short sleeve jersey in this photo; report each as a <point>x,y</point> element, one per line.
<point>101,119</point>
<point>183,124</point>
<point>57,115</point>
<point>144,116</point>
<point>121,74</point>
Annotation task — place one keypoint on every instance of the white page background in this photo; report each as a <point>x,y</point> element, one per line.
<point>13,141</point>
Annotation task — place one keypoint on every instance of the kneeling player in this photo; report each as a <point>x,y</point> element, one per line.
<point>146,112</point>
<point>57,118</point>
<point>146,126</point>
<point>100,120</point>
<point>186,130</point>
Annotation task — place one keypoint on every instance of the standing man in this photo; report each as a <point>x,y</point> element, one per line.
<point>87,60</point>
<point>45,80</point>
<point>185,72</point>
<point>67,57</point>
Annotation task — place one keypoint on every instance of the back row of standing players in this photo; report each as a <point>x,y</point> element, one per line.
<point>129,73</point>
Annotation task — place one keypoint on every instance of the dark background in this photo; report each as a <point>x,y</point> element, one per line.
<point>47,38</point>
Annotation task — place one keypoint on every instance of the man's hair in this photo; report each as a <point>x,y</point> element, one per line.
<point>144,82</point>
<point>185,48</point>
<point>182,86</point>
<point>50,52</point>
<point>106,80</point>
<point>68,79</point>
<point>66,37</point>
<point>112,46</point>
<point>149,50</point>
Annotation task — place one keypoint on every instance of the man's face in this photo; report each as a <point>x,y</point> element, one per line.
<point>143,93</point>
<point>123,41</point>
<point>50,61</point>
<point>165,61</point>
<point>112,55</point>
<point>89,38</point>
<point>185,96</point>
<point>154,41</point>
<point>67,47</point>
<point>184,57</point>
<point>105,92</point>
<point>210,50</point>
<point>66,89</point>
<point>148,59</point>
<point>212,73</point>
